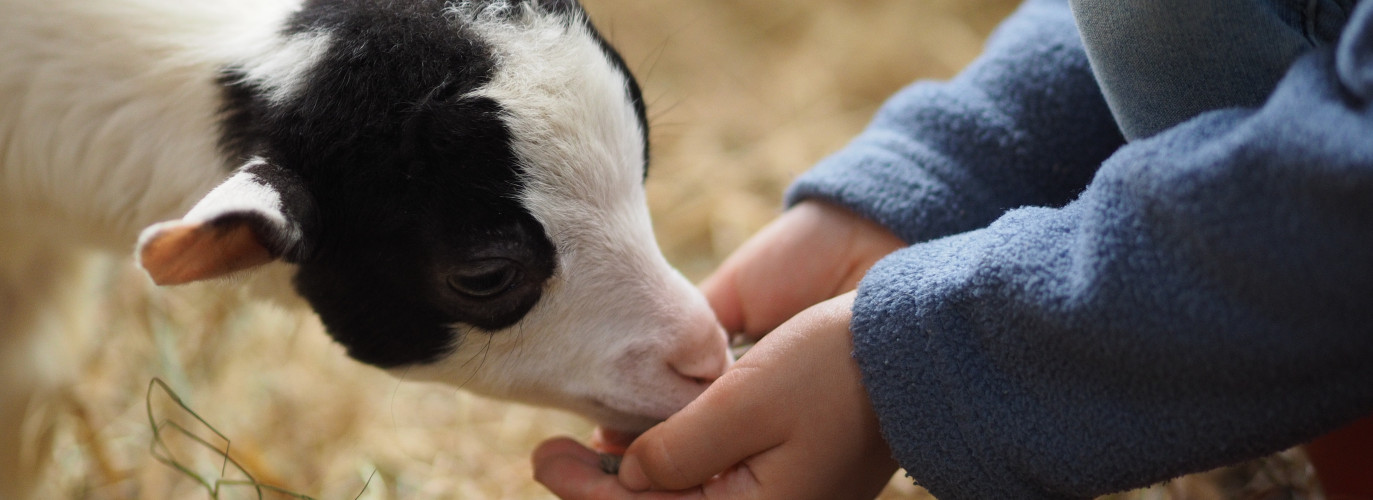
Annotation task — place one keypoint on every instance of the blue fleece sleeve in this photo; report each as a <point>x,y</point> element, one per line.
<point>1208,298</point>
<point>1024,124</point>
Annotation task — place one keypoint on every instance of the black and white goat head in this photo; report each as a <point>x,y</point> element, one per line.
<point>459,186</point>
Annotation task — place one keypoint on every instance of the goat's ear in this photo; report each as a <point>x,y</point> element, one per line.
<point>260,214</point>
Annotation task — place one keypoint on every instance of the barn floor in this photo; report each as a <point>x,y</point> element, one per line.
<point>743,97</point>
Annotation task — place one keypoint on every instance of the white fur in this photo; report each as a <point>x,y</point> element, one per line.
<point>108,108</point>
<point>281,65</point>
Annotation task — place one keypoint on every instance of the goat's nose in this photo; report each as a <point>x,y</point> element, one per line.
<point>701,355</point>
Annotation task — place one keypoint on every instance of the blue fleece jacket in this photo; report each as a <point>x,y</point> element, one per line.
<point>1077,315</point>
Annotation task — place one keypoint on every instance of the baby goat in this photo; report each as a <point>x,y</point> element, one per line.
<point>443,178</point>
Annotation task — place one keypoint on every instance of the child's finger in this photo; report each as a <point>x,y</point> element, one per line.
<point>712,434</point>
<point>722,293</point>
<point>571,471</point>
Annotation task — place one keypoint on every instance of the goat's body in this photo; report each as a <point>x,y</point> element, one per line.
<point>108,110</point>
<point>103,131</point>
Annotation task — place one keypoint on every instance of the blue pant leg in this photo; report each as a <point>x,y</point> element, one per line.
<point>1161,62</point>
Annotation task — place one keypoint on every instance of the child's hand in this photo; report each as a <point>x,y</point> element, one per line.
<point>789,420</point>
<point>814,251</point>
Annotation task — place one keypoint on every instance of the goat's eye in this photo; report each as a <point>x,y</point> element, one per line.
<point>484,279</point>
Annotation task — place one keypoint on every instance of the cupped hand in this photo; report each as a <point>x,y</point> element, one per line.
<point>812,252</point>
<point>790,420</point>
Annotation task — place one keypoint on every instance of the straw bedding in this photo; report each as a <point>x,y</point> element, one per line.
<point>743,96</point>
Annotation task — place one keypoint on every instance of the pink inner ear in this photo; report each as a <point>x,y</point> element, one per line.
<point>192,252</point>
